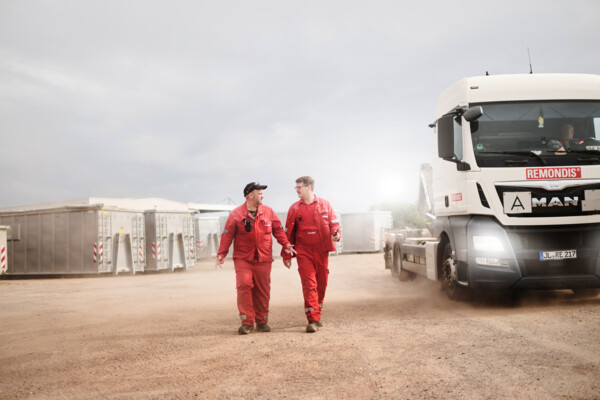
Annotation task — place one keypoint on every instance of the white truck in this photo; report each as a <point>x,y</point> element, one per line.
<point>513,190</point>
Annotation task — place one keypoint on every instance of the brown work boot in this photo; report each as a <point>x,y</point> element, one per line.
<point>319,324</point>
<point>245,329</point>
<point>312,327</point>
<point>263,327</point>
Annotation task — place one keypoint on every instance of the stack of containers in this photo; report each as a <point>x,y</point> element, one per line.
<point>80,239</point>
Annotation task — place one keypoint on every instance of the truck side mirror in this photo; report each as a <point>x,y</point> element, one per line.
<point>473,113</point>
<point>445,136</point>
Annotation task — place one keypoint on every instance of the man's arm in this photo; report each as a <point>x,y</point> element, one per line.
<point>278,231</point>
<point>334,224</point>
<point>288,253</point>
<point>281,237</point>
<point>226,239</point>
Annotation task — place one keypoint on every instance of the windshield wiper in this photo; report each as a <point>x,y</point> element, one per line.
<point>586,159</point>
<point>518,153</point>
<point>583,151</point>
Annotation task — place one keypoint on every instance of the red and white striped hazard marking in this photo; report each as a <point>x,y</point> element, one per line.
<point>141,253</point>
<point>199,245</point>
<point>191,249</point>
<point>3,258</point>
<point>98,252</point>
<point>156,251</point>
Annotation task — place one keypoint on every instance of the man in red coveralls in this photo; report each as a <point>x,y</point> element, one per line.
<point>312,227</point>
<point>250,226</point>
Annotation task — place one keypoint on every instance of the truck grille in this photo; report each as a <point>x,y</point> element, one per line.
<point>528,242</point>
<point>541,193</point>
<point>582,266</point>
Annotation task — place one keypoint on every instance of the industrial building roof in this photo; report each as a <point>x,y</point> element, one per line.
<point>151,203</point>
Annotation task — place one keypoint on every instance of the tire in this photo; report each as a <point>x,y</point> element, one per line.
<point>449,280</point>
<point>393,268</point>
<point>400,273</point>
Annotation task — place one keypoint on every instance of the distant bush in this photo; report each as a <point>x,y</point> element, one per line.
<point>404,214</point>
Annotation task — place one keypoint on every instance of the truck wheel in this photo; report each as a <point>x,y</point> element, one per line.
<point>400,273</point>
<point>449,278</point>
<point>395,260</point>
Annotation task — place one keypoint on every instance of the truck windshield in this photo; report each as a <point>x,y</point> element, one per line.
<point>537,133</point>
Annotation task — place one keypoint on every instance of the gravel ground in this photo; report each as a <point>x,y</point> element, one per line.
<point>174,335</point>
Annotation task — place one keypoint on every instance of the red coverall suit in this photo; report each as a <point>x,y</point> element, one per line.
<point>309,227</point>
<point>252,258</point>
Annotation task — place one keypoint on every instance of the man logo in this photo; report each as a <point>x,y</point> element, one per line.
<point>524,203</point>
<point>555,202</point>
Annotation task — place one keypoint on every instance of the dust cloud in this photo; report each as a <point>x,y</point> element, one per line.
<point>174,335</point>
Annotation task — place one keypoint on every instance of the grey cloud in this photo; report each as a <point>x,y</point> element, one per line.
<point>191,100</point>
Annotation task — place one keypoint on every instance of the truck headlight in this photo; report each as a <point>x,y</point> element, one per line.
<point>487,243</point>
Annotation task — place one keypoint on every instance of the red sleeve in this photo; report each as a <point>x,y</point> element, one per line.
<point>278,231</point>
<point>289,231</point>
<point>334,223</point>
<point>227,236</point>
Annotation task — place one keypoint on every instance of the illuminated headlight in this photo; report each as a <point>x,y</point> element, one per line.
<point>487,243</point>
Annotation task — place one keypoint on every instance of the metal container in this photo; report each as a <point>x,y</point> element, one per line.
<point>170,236</point>
<point>85,239</point>
<point>364,232</point>
<point>207,230</point>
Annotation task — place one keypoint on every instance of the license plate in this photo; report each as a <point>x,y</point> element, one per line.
<point>557,255</point>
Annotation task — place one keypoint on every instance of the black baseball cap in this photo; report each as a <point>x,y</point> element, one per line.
<point>253,186</point>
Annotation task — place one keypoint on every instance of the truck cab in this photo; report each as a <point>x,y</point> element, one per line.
<point>515,190</point>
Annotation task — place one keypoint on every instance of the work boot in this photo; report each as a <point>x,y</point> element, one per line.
<point>245,329</point>
<point>263,327</point>
<point>319,324</point>
<point>312,327</point>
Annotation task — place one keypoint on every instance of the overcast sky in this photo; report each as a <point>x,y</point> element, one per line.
<point>191,100</point>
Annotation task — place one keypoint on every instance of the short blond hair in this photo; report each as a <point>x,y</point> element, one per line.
<point>307,180</point>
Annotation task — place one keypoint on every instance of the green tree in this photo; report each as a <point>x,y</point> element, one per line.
<point>404,215</point>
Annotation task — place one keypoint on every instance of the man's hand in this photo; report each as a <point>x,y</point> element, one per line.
<point>287,263</point>
<point>337,236</point>
<point>290,249</point>
<point>219,263</point>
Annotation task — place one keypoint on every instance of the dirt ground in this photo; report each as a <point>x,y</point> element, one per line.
<point>174,336</point>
